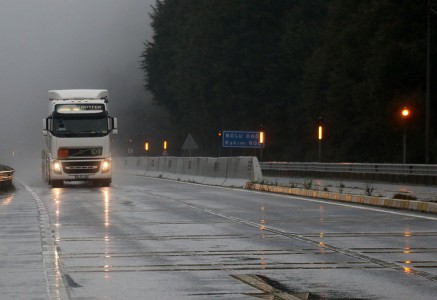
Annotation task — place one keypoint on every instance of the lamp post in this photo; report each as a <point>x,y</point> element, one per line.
<point>405,114</point>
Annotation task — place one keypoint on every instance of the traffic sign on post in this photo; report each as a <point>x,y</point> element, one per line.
<point>242,139</point>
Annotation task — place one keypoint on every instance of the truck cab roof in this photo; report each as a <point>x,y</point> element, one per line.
<point>78,94</point>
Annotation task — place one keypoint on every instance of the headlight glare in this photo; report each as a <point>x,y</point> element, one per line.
<point>106,165</point>
<point>56,167</point>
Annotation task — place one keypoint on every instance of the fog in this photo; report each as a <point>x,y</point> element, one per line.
<point>51,44</point>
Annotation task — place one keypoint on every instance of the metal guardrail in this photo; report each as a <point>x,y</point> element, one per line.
<point>352,168</point>
<point>6,175</point>
<point>414,173</point>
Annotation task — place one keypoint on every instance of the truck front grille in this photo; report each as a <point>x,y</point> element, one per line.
<point>78,152</point>
<point>81,167</point>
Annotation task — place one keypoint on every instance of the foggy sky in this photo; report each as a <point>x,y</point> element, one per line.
<point>52,44</point>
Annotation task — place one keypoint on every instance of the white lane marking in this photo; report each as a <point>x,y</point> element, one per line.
<point>56,288</point>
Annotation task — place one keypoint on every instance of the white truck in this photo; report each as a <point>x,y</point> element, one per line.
<point>77,131</point>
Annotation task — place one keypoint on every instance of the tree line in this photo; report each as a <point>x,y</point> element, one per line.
<point>286,66</point>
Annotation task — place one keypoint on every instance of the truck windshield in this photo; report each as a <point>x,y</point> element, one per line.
<point>80,126</point>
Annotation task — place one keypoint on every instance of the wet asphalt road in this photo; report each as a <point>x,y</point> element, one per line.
<point>147,238</point>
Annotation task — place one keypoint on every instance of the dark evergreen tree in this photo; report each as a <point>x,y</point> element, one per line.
<point>279,65</point>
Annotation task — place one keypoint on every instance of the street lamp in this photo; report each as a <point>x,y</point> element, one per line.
<point>405,114</point>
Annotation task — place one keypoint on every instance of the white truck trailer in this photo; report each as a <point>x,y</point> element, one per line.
<point>77,131</point>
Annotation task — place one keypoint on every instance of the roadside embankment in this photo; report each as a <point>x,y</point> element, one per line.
<point>415,205</point>
<point>391,190</point>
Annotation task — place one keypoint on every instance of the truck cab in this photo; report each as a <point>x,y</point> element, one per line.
<point>77,131</point>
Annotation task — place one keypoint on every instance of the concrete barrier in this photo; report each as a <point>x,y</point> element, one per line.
<point>153,167</point>
<point>142,166</point>
<point>130,163</point>
<point>215,171</point>
<point>241,168</point>
<point>172,168</point>
<point>199,169</point>
<point>222,171</point>
<point>191,171</point>
<point>187,169</point>
<point>179,168</point>
<point>161,165</point>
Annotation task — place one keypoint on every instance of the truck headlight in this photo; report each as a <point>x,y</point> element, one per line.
<point>106,166</point>
<point>56,167</point>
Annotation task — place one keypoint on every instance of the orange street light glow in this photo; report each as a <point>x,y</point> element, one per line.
<point>405,112</point>
<point>320,132</point>
<point>261,137</point>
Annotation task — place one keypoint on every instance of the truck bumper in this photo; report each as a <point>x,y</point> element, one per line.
<point>80,170</point>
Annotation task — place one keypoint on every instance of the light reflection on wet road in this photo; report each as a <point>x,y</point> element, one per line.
<point>157,239</point>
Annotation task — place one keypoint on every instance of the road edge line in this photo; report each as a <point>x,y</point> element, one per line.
<point>55,281</point>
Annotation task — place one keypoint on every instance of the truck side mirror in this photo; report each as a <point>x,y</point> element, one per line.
<point>44,126</point>
<point>114,126</point>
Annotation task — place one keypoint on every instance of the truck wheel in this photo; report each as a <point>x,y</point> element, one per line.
<point>57,183</point>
